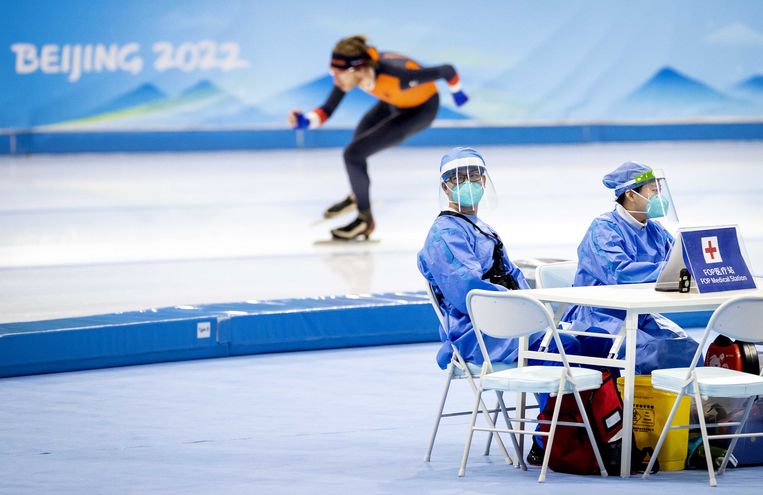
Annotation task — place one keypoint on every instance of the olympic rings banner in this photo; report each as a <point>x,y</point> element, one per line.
<point>204,64</point>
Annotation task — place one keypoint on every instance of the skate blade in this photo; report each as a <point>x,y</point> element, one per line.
<point>344,242</point>
<point>325,219</point>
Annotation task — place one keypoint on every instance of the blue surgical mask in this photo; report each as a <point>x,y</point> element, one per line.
<point>657,207</point>
<point>468,193</point>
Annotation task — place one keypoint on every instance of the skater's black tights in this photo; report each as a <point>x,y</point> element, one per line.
<point>383,126</point>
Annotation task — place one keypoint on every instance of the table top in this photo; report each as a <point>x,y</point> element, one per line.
<point>640,297</point>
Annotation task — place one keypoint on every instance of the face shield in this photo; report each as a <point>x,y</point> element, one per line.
<point>658,202</point>
<point>465,184</point>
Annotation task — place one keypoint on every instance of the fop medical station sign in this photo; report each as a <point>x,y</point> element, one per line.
<point>714,258</point>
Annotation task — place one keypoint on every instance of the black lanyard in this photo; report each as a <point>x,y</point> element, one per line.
<point>497,273</point>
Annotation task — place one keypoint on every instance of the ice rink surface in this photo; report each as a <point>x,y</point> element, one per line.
<point>97,233</point>
<point>87,234</point>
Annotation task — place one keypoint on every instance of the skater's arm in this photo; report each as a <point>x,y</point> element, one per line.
<point>317,117</point>
<point>321,114</point>
<point>411,76</point>
<point>420,75</point>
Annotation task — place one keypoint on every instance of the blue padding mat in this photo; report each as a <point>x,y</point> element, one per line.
<point>219,330</point>
<point>215,330</point>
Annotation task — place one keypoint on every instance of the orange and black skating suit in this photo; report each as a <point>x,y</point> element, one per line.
<point>408,103</point>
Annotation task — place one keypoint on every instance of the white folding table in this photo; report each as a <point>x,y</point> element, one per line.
<point>635,300</point>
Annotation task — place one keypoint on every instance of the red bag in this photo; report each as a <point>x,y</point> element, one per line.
<point>572,452</point>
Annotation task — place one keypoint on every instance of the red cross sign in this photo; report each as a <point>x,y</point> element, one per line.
<point>710,250</point>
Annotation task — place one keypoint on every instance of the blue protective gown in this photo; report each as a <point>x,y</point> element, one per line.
<point>454,258</point>
<point>617,249</point>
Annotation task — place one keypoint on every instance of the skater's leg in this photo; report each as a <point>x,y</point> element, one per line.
<point>374,116</point>
<point>385,134</point>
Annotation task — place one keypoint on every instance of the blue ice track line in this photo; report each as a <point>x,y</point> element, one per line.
<point>41,141</point>
<point>221,330</point>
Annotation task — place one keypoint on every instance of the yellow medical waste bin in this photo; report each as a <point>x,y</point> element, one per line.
<point>651,409</point>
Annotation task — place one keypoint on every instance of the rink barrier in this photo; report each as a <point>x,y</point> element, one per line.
<point>45,141</point>
<point>221,330</point>
<point>215,330</point>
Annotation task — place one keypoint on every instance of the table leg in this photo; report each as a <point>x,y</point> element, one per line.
<point>631,327</point>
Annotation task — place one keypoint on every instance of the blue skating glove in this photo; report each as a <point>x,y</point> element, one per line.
<point>302,122</point>
<point>460,98</point>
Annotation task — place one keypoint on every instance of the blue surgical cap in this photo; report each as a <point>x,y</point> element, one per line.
<point>620,178</point>
<point>460,157</point>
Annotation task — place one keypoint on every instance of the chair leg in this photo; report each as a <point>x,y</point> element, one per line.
<point>468,444</point>
<point>474,388</point>
<point>552,431</point>
<point>438,418</point>
<point>520,411</point>
<point>664,434</point>
<point>703,429</point>
<point>584,415</point>
<point>490,437</point>
<point>498,438</point>
<point>512,435</point>
<point>730,450</point>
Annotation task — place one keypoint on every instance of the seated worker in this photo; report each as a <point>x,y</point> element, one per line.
<point>625,246</point>
<point>462,253</point>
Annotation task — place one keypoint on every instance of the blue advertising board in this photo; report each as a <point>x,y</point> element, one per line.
<point>203,64</point>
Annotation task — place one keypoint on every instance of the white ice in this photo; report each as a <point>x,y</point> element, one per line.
<point>96,233</point>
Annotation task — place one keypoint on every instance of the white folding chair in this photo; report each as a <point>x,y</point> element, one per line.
<point>554,276</point>
<point>513,315</point>
<point>459,369</point>
<point>739,318</point>
<point>562,274</point>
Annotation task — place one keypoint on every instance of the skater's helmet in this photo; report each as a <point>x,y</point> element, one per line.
<point>465,182</point>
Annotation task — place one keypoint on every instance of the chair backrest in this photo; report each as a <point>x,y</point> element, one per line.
<point>435,303</point>
<point>507,315</point>
<point>740,318</point>
<point>553,275</point>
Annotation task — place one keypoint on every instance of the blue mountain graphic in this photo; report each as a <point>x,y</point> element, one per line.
<point>670,93</point>
<point>311,95</point>
<point>203,103</point>
<point>143,94</point>
<point>752,87</point>
<point>244,117</point>
<point>670,86</point>
<point>206,103</point>
<point>202,88</point>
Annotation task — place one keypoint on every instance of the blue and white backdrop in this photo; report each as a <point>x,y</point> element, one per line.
<point>215,64</point>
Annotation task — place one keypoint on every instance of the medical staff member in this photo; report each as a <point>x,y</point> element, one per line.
<point>408,103</point>
<point>627,246</point>
<point>461,253</point>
